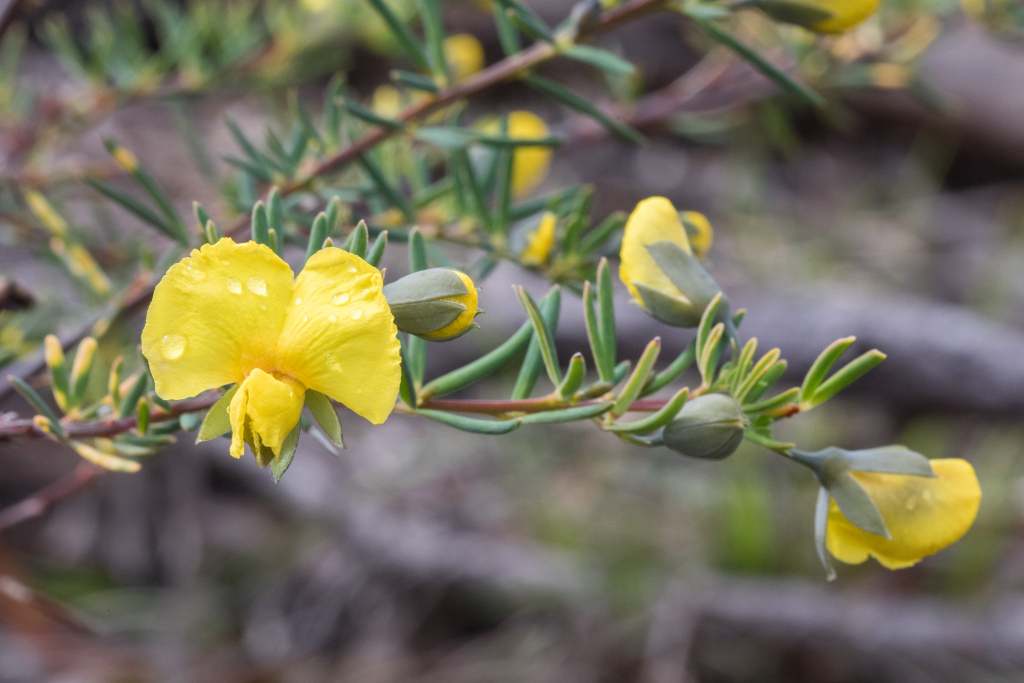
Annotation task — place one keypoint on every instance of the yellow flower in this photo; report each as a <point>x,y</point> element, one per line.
<point>529,164</point>
<point>823,16</point>
<point>661,271</point>
<point>923,515</point>
<point>845,14</point>
<point>234,313</point>
<point>464,55</point>
<point>539,242</point>
<point>387,101</point>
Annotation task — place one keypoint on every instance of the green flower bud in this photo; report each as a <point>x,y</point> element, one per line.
<point>438,304</point>
<point>708,427</point>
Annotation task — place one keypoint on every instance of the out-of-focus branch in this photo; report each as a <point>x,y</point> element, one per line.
<point>41,500</point>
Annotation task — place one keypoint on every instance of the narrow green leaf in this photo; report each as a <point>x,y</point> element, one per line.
<point>483,366</point>
<point>759,62</point>
<point>528,20</point>
<point>415,81</point>
<point>325,415</point>
<point>508,35</point>
<point>601,360</point>
<point>767,441</point>
<point>822,364</point>
<point>37,403</point>
<point>377,250</point>
<point>669,374</point>
<point>762,367</point>
<point>741,366</point>
<point>446,137</point>
<point>394,197</point>
<point>369,116</point>
<point>777,401</point>
<point>707,363</point>
<point>260,224</point>
<point>568,414</point>
<point>275,210</point>
<point>656,420</point>
<point>131,399</point>
<point>770,378</point>
<point>433,30</point>
<point>407,390</point>
<point>638,379</point>
<point>417,251</point>
<point>401,31</point>
<point>574,375</point>
<point>317,234</point>
<point>606,313</point>
<point>357,239</point>
<point>217,421</point>
<point>544,337</point>
<point>582,105</point>
<point>602,59</point>
<point>140,210</point>
<point>843,378</point>
<point>594,239</point>
<point>471,424</point>
<point>533,361</point>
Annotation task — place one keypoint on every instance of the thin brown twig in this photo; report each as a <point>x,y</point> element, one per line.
<point>41,500</point>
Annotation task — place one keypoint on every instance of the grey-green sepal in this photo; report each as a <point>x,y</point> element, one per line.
<point>284,459</point>
<point>325,415</point>
<point>794,12</point>
<point>685,271</point>
<point>894,459</point>
<point>820,529</point>
<point>855,504</point>
<point>422,301</point>
<point>709,427</point>
<point>217,422</point>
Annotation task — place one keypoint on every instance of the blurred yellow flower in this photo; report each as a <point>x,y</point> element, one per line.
<point>539,242</point>
<point>234,313</point>
<point>464,55</point>
<point>845,13</point>
<point>923,515</point>
<point>387,101</point>
<point>530,164</point>
<point>699,231</point>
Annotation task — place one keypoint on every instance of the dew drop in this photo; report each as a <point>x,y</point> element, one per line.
<point>356,313</point>
<point>332,318</point>
<point>351,269</point>
<point>911,502</point>
<point>234,286</point>
<point>263,307</point>
<point>225,262</point>
<point>339,299</point>
<point>298,300</point>
<point>196,274</point>
<point>333,363</point>
<point>303,318</point>
<point>172,346</point>
<point>257,285</point>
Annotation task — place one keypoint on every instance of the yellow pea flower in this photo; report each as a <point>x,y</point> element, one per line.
<point>461,324</point>
<point>464,55</point>
<point>234,313</point>
<point>923,515</point>
<point>674,288</point>
<point>529,164</point>
<point>539,242</point>
<point>699,231</point>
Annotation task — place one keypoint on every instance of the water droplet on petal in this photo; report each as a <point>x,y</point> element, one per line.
<point>196,274</point>
<point>332,318</point>
<point>298,300</point>
<point>352,269</point>
<point>234,286</point>
<point>263,307</point>
<point>911,502</point>
<point>172,346</point>
<point>339,299</point>
<point>303,318</point>
<point>257,285</point>
<point>356,313</point>
<point>225,262</point>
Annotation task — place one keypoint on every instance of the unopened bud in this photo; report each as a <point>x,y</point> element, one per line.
<point>822,16</point>
<point>438,304</point>
<point>709,427</point>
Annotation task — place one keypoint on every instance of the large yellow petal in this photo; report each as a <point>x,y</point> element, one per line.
<point>923,515</point>
<point>215,315</point>
<point>269,407</point>
<point>653,220</point>
<point>339,336</point>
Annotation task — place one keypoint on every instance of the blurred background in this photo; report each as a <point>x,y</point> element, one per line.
<point>557,552</point>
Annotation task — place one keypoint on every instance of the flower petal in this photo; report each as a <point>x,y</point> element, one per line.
<point>267,407</point>
<point>540,241</point>
<point>470,300</point>
<point>653,220</point>
<point>923,515</point>
<point>529,164</point>
<point>339,336</point>
<point>215,315</point>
